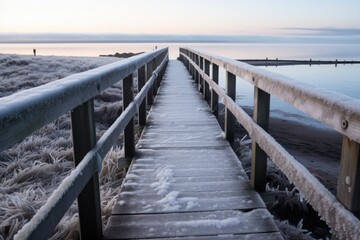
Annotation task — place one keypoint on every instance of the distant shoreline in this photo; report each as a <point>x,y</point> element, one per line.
<point>286,62</point>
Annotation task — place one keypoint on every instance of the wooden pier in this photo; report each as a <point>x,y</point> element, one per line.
<point>185,180</point>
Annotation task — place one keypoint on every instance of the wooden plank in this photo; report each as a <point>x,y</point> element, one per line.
<point>189,224</point>
<point>256,236</point>
<point>175,203</point>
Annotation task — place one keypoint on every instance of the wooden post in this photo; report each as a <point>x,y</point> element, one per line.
<point>214,96</point>
<point>201,80</point>
<point>191,70</point>
<point>259,157</point>
<point>142,107</point>
<point>129,136</point>
<point>189,67</point>
<point>162,72</point>
<point>206,84</point>
<point>84,139</point>
<point>197,75</point>
<point>155,84</point>
<point>348,192</point>
<point>229,117</point>
<point>149,71</point>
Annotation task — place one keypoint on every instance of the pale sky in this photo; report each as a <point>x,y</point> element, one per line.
<point>231,17</point>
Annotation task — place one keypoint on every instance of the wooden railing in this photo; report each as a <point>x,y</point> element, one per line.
<point>340,112</point>
<point>23,113</point>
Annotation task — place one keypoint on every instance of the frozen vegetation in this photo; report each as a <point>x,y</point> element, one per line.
<point>32,169</point>
<point>289,208</point>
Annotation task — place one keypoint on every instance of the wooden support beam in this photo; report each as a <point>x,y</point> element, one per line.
<point>142,107</point>
<point>229,117</point>
<point>84,139</point>
<point>259,157</point>
<point>214,96</point>
<point>348,192</point>
<point>129,136</point>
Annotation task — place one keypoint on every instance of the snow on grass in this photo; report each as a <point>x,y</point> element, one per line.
<point>289,203</point>
<point>32,169</point>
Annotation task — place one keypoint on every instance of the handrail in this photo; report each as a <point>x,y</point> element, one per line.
<point>23,113</point>
<point>340,112</point>
<point>342,221</point>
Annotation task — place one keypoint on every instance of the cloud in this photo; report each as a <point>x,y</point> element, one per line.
<point>326,31</point>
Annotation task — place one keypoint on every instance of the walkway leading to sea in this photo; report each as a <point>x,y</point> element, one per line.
<point>185,181</point>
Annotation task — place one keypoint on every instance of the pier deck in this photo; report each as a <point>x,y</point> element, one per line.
<point>185,181</point>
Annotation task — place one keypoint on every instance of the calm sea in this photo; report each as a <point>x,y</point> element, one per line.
<point>344,79</point>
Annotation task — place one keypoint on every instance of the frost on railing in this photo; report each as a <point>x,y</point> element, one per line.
<point>340,112</point>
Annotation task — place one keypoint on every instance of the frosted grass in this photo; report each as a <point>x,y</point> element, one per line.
<point>32,169</point>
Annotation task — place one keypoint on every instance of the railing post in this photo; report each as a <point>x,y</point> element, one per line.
<point>142,107</point>
<point>159,77</point>
<point>129,136</point>
<point>201,80</point>
<point>149,72</point>
<point>197,74</point>
<point>348,191</point>
<point>259,157</point>
<point>229,117</point>
<point>84,139</point>
<point>155,84</point>
<point>206,84</point>
<point>191,68</point>
<point>214,96</point>
<point>189,64</point>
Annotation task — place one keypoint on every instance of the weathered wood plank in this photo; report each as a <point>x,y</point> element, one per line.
<point>257,236</point>
<point>189,224</point>
<point>175,202</point>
